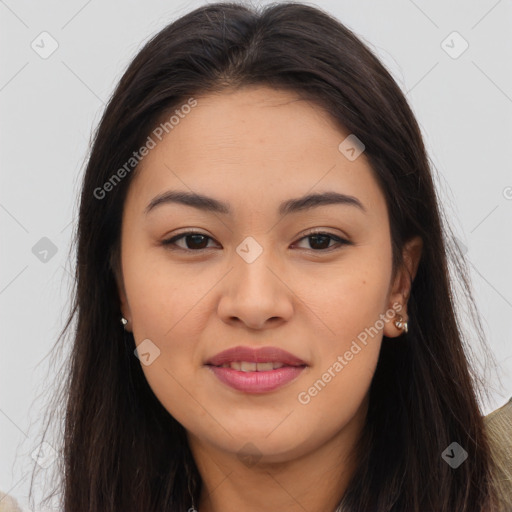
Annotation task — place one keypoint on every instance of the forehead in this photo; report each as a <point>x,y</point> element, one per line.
<point>257,142</point>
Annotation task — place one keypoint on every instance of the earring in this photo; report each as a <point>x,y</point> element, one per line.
<point>401,324</point>
<point>123,320</point>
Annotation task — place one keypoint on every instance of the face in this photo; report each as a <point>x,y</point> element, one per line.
<point>256,275</point>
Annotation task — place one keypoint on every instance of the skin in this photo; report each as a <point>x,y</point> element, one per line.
<point>253,149</point>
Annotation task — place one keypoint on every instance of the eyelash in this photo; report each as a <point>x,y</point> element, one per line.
<point>170,243</point>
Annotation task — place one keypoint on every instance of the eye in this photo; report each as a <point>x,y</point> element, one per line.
<point>194,241</point>
<point>319,241</point>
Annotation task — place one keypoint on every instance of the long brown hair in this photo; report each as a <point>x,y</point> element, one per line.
<point>122,451</point>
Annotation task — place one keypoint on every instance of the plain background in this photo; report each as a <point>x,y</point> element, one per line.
<point>50,107</point>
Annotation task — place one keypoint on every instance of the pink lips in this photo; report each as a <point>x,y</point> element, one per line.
<point>255,355</point>
<point>256,381</point>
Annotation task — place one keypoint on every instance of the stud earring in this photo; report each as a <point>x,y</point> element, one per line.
<point>401,324</point>
<point>123,320</point>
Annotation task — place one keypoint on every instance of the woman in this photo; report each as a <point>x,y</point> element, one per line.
<point>259,212</point>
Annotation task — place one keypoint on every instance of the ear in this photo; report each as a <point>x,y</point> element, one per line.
<point>400,290</point>
<point>115,265</point>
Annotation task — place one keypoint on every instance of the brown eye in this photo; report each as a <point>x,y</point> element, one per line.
<point>193,241</point>
<point>319,241</point>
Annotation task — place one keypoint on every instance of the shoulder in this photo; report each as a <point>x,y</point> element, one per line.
<point>8,503</point>
<point>499,430</point>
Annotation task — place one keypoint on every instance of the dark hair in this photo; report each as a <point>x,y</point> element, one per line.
<point>121,449</point>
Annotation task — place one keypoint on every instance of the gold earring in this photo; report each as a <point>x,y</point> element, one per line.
<point>401,324</point>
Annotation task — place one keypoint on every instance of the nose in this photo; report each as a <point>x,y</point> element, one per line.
<point>256,294</point>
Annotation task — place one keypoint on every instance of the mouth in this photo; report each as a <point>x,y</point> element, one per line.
<point>248,366</point>
<point>248,359</point>
<point>258,370</point>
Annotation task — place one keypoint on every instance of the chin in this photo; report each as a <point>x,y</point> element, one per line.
<point>267,444</point>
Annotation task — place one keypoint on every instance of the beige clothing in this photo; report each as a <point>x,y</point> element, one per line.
<point>499,427</point>
<point>8,503</point>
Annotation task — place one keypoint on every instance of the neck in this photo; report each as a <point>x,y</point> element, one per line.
<point>315,481</point>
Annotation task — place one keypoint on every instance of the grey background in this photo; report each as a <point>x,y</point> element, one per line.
<point>50,107</point>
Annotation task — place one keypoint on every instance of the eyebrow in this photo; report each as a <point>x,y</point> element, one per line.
<point>209,204</point>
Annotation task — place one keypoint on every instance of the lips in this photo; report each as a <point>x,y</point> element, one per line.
<point>255,355</point>
<point>255,370</point>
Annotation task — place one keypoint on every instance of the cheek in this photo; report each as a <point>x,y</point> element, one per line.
<point>350,305</point>
<point>347,352</point>
<point>161,295</point>
<point>345,300</point>
<point>169,306</point>
<point>166,311</point>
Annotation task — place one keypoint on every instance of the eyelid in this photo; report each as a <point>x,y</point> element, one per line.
<point>323,231</point>
<point>169,242</point>
<point>340,240</point>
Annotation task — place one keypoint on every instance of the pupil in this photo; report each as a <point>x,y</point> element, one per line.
<point>314,240</point>
<point>195,237</point>
<point>316,237</point>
